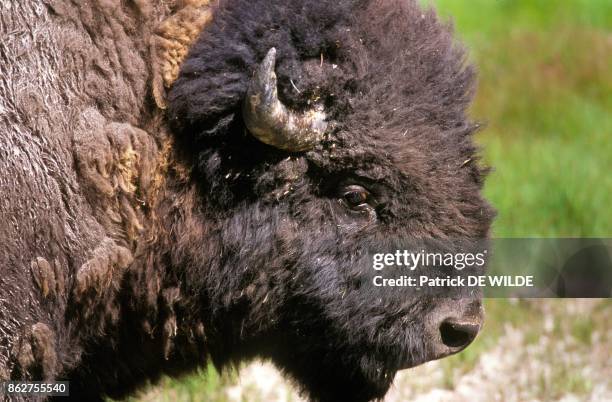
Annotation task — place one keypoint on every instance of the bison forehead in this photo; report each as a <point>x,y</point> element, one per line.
<point>373,64</point>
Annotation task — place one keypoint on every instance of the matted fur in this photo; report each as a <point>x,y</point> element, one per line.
<point>171,42</point>
<point>141,248</point>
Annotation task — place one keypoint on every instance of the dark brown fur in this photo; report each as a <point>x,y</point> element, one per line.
<point>132,248</point>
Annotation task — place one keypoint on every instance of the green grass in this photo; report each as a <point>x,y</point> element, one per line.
<point>204,385</point>
<point>545,94</point>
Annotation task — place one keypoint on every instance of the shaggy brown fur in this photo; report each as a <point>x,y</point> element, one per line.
<point>79,152</point>
<point>171,42</point>
<point>133,248</point>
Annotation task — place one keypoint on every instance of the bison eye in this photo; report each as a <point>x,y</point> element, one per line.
<point>355,197</point>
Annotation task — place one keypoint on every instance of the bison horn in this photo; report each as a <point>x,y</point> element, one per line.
<point>270,121</point>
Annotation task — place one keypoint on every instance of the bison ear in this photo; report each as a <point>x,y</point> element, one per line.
<point>273,123</point>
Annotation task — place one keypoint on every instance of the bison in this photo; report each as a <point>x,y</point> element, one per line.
<point>185,182</point>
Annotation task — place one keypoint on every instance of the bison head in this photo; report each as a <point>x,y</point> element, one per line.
<point>314,131</point>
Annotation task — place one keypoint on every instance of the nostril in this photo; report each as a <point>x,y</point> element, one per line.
<point>458,334</point>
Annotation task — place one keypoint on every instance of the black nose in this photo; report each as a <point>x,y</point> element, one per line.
<point>458,334</point>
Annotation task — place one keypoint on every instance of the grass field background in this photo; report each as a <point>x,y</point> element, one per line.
<point>545,95</point>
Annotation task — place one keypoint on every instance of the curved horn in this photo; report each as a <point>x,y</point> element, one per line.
<point>270,121</point>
